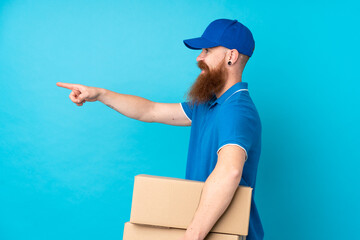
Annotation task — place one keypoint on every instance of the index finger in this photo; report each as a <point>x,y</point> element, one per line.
<point>66,85</point>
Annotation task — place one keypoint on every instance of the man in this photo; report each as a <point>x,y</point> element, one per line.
<point>225,141</point>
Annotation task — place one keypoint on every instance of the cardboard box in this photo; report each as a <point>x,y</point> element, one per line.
<point>172,202</point>
<point>146,232</point>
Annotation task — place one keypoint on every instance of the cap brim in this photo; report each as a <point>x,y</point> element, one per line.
<point>199,43</point>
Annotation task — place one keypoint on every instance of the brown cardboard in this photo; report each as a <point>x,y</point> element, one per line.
<point>146,232</point>
<point>172,202</point>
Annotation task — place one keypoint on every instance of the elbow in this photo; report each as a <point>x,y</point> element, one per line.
<point>148,114</point>
<point>235,175</point>
<point>144,119</point>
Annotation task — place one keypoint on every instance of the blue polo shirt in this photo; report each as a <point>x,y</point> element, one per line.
<point>230,119</point>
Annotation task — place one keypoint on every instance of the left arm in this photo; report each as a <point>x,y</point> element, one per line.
<point>218,191</point>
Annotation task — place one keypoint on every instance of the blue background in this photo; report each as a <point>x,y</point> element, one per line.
<point>66,172</point>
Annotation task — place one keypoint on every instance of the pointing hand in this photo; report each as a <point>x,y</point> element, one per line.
<point>80,93</point>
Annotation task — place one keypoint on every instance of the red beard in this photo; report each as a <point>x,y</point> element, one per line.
<point>207,83</point>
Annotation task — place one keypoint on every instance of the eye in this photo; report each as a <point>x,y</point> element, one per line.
<point>206,50</point>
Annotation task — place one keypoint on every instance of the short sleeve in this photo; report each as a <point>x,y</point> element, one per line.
<point>238,124</point>
<point>188,109</point>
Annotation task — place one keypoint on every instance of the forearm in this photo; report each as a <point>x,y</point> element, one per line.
<point>129,105</point>
<point>216,196</point>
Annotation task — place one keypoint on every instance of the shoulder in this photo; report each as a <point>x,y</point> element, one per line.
<point>240,103</point>
<point>239,113</point>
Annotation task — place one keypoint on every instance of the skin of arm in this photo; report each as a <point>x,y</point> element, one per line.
<point>218,191</point>
<point>143,109</point>
<point>126,104</point>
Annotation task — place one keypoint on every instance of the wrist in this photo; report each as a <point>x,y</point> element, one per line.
<point>102,93</point>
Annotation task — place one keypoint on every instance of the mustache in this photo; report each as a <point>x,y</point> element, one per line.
<point>202,65</point>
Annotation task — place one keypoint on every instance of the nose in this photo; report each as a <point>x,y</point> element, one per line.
<point>200,57</point>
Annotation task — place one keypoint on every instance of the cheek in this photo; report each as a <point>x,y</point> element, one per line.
<point>210,64</point>
<point>215,62</point>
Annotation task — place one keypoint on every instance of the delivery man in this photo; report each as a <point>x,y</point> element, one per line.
<point>225,140</point>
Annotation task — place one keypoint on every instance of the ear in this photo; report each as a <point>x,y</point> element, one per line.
<point>233,56</point>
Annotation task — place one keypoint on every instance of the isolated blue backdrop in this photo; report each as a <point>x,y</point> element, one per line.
<point>66,172</point>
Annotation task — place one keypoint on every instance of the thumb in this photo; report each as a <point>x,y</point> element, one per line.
<point>76,92</point>
<point>81,98</point>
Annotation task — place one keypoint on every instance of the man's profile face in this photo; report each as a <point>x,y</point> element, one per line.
<point>210,81</point>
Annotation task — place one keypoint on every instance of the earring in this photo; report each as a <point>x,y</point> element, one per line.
<point>229,62</point>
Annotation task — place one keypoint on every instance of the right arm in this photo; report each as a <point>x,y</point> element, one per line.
<point>129,105</point>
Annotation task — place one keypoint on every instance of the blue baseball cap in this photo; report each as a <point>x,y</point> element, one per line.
<point>227,33</point>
